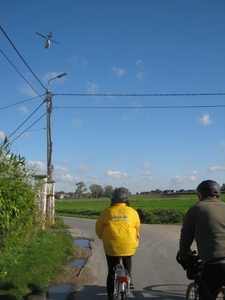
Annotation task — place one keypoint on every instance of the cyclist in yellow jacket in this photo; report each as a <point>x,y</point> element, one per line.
<point>118,227</point>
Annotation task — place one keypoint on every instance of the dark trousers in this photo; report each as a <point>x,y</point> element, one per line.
<point>211,280</point>
<point>112,261</point>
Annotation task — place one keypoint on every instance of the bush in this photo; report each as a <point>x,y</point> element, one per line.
<point>17,198</point>
<point>163,217</point>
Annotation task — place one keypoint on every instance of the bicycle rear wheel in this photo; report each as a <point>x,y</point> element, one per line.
<point>123,296</point>
<point>192,292</point>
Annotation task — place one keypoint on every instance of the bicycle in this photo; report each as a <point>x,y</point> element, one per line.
<point>192,291</point>
<point>193,273</point>
<point>121,282</point>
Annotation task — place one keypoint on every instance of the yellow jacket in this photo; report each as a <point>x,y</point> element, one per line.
<point>118,227</point>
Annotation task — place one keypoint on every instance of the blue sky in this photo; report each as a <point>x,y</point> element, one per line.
<point>128,53</point>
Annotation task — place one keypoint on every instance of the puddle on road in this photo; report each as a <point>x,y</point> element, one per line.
<point>61,292</point>
<point>77,263</point>
<point>58,292</point>
<point>82,243</point>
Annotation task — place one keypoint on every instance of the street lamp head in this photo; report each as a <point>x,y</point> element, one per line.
<point>58,76</point>
<point>61,75</point>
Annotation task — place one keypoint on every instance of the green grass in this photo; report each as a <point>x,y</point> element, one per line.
<point>35,263</point>
<point>148,203</point>
<point>158,209</point>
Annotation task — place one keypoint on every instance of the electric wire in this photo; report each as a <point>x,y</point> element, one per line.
<point>21,57</point>
<point>143,95</point>
<point>20,73</point>
<point>26,120</point>
<point>27,128</point>
<point>10,105</point>
<point>139,107</point>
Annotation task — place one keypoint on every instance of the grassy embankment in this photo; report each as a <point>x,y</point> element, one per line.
<point>35,263</point>
<point>158,209</point>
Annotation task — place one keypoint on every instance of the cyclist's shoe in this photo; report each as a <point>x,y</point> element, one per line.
<point>131,284</point>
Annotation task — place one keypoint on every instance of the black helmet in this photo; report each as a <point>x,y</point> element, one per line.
<point>209,188</point>
<point>119,195</point>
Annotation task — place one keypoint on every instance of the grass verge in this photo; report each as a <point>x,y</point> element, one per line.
<point>35,263</point>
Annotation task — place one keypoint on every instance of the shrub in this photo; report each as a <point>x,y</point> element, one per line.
<point>163,216</point>
<point>17,198</point>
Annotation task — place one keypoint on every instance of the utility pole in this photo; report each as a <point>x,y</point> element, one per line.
<point>50,197</point>
<point>49,140</point>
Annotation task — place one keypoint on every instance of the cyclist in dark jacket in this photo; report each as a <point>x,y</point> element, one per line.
<point>205,223</point>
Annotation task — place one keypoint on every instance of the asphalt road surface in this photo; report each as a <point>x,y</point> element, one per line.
<point>155,272</point>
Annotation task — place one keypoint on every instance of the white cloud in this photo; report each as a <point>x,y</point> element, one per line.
<point>119,71</point>
<point>222,143</point>
<point>83,168</point>
<point>92,88</point>
<point>146,165</point>
<point>126,118</point>
<point>2,135</point>
<point>140,74</point>
<point>39,166</point>
<point>25,134</point>
<point>205,120</point>
<point>52,75</point>
<point>62,174</point>
<point>76,123</point>
<point>187,178</point>
<point>216,168</point>
<point>28,91</point>
<point>115,174</point>
<point>139,63</point>
<point>64,161</point>
<point>148,176</point>
<point>79,61</point>
<point>23,109</point>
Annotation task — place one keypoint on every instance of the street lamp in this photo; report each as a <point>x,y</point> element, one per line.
<point>59,76</point>
<point>50,190</point>
<point>48,126</point>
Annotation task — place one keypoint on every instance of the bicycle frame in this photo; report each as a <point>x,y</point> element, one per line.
<point>121,282</point>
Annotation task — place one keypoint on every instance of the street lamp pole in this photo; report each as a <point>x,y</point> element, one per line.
<point>50,187</point>
<point>48,127</point>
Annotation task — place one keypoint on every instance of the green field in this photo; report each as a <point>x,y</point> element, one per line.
<point>168,209</point>
<point>149,203</point>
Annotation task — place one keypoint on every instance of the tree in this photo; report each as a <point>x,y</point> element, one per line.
<point>81,189</point>
<point>96,190</point>
<point>108,191</point>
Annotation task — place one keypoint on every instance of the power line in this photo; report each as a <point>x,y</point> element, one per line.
<point>21,57</point>
<point>25,120</point>
<point>139,107</point>
<point>143,95</point>
<point>37,129</point>
<point>4,107</point>
<point>20,73</point>
<point>28,128</point>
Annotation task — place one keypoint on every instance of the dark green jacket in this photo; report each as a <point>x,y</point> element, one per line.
<point>204,223</point>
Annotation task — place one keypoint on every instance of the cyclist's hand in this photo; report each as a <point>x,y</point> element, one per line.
<point>185,263</point>
<point>191,262</point>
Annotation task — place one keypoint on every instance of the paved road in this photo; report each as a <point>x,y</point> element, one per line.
<point>156,273</point>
